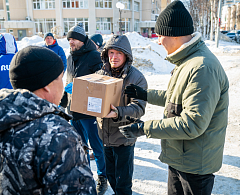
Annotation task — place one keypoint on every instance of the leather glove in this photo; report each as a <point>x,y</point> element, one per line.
<point>134,91</point>
<point>133,130</point>
<point>68,88</point>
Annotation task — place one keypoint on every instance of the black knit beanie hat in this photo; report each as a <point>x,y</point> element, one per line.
<point>97,39</point>
<point>174,21</point>
<point>48,34</point>
<point>34,67</point>
<point>77,32</point>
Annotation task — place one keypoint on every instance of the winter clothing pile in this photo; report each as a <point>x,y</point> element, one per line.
<point>193,130</point>
<point>8,48</point>
<point>41,67</point>
<point>174,21</point>
<point>59,51</point>
<point>40,152</point>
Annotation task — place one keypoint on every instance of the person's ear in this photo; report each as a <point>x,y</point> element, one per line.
<point>47,89</point>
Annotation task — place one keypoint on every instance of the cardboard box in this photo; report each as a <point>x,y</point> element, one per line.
<point>93,94</point>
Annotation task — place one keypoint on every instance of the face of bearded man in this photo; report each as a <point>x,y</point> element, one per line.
<point>75,44</point>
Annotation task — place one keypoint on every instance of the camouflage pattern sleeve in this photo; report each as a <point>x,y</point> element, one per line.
<point>61,162</point>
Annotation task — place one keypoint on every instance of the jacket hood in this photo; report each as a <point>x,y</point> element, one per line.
<point>120,43</point>
<point>20,106</point>
<point>8,44</point>
<point>186,49</point>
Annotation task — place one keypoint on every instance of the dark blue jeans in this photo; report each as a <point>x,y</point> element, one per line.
<point>119,168</point>
<point>180,183</point>
<point>87,129</point>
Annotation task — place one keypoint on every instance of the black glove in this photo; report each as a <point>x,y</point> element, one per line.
<point>134,91</point>
<point>133,130</point>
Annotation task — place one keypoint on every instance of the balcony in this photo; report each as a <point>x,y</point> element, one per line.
<point>19,24</point>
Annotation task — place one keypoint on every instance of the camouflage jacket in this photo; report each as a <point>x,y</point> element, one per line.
<point>40,152</point>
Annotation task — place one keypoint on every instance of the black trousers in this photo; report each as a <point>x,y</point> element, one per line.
<point>180,183</point>
<point>119,168</point>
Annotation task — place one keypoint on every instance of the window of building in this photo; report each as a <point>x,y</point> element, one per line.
<point>43,4</point>
<point>136,6</point>
<point>70,22</point>
<point>2,29</point>
<point>103,25</point>
<point>126,3</point>
<point>75,4</point>
<point>103,3</point>
<point>125,25</point>
<point>44,25</point>
<point>10,31</point>
<point>8,11</point>
<point>136,25</point>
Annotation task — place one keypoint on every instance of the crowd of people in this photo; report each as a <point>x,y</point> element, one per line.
<point>44,146</point>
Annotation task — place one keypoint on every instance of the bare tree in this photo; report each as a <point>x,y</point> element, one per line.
<point>199,10</point>
<point>204,14</point>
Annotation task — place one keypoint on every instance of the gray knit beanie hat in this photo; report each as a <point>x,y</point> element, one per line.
<point>77,32</point>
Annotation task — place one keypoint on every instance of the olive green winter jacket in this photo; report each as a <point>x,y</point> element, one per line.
<point>196,111</point>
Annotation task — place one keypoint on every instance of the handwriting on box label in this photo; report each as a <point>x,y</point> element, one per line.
<point>94,104</point>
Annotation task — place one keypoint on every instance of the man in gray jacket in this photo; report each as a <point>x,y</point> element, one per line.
<point>193,129</point>
<point>118,150</point>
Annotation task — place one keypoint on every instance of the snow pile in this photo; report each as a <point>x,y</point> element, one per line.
<point>26,41</point>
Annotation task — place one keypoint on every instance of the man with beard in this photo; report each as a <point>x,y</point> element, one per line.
<point>84,60</point>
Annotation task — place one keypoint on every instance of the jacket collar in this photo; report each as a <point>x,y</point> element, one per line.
<point>185,50</point>
<point>106,67</point>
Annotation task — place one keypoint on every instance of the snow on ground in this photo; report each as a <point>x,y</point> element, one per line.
<point>150,175</point>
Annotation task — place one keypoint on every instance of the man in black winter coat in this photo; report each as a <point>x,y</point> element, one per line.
<point>84,60</point>
<point>40,152</point>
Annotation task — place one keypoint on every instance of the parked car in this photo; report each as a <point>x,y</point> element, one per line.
<point>154,35</point>
<point>231,35</point>
<point>224,31</point>
<point>237,37</point>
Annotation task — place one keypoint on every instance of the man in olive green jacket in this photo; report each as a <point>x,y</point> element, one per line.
<point>196,106</point>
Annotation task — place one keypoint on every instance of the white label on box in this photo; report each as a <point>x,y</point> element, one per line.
<point>94,104</point>
<point>109,81</point>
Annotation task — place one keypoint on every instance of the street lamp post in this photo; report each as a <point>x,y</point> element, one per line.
<point>120,6</point>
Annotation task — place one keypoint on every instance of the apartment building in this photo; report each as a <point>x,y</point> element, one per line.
<point>28,17</point>
<point>230,19</point>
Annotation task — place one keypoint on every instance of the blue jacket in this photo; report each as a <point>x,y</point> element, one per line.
<point>8,48</point>
<point>59,51</point>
